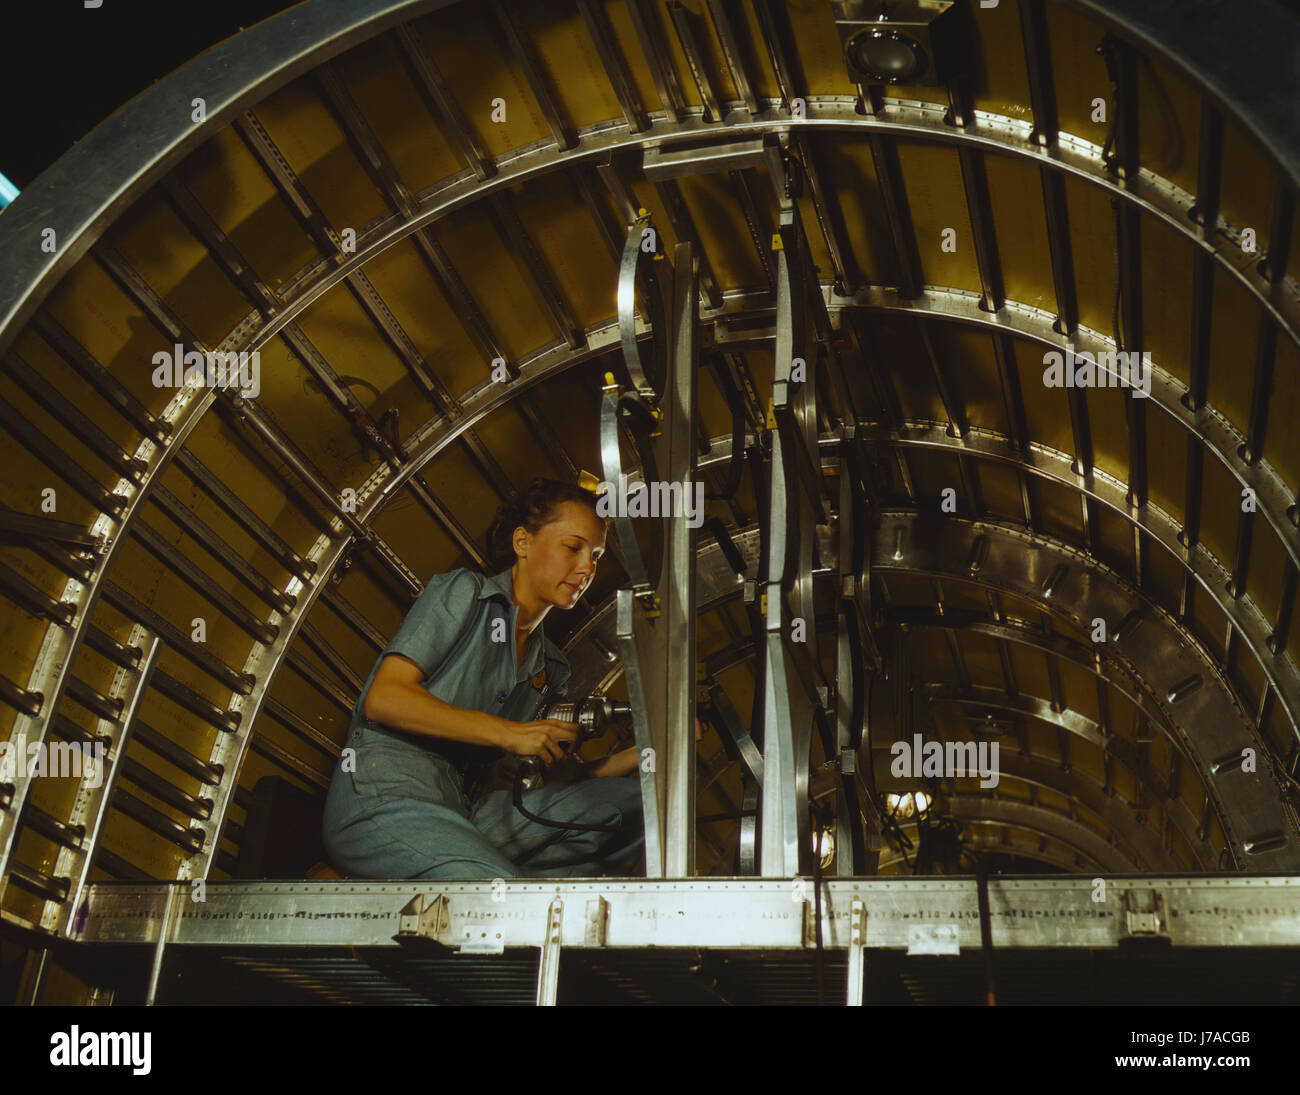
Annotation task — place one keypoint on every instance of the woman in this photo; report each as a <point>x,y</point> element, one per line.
<point>456,689</point>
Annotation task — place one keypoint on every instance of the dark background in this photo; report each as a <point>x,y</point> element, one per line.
<point>64,68</point>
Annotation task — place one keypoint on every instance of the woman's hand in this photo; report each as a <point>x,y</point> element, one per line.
<point>546,738</point>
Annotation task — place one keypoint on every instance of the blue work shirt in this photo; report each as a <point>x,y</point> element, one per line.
<point>448,633</point>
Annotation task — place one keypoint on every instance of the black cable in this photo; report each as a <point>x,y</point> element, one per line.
<point>737,465</point>
<point>519,805</point>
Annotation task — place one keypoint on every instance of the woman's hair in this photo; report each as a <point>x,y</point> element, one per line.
<point>532,507</point>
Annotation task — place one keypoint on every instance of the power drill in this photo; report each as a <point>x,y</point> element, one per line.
<point>591,717</point>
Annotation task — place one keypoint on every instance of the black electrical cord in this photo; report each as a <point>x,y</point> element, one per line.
<point>737,465</point>
<point>519,805</point>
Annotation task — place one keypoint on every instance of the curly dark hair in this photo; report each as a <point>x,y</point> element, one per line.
<point>532,507</point>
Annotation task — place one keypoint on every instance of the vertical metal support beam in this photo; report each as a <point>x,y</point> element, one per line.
<point>794,695</point>
<point>656,613</point>
<point>679,427</point>
<point>164,934</point>
<point>548,968</point>
<point>857,951</point>
<point>642,660</point>
<point>856,656</point>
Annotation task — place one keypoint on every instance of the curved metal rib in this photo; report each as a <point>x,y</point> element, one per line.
<point>638,266</point>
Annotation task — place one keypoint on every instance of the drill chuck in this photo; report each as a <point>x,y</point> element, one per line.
<point>590,717</point>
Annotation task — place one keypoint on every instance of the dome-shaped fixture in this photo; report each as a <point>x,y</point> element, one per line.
<point>886,56</point>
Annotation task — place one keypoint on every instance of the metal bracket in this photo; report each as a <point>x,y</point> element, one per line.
<point>857,950</point>
<point>1144,914</point>
<point>421,918</point>
<point>597,921</point>
<point>548,969</point>
<point>810,919</point>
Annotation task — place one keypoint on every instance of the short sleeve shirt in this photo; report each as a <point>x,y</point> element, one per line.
<point>461,633</point>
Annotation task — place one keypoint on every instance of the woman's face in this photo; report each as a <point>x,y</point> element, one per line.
<point>559,561</point>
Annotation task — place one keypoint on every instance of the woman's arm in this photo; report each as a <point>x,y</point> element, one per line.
<point>397,699</point>
<point>616,764</point>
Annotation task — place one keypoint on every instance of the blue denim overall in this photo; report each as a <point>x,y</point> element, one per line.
<point>404,811</point>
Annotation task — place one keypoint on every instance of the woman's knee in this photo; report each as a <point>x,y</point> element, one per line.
<point>391,844</point>
<point>470,867</point>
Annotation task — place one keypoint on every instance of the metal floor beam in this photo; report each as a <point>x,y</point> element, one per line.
<point>1121,938</point>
